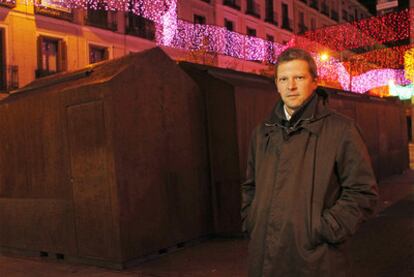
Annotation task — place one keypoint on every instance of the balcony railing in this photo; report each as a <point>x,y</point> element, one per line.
<point>287,24</point>
<point>39,73</point>
<point>140,26</point>
<point>55,13</point>
<point>272,18</point>
<point>100,19</point>
<point>253,9</point>
<point>235,4</point>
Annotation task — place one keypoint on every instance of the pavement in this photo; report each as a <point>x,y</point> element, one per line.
<point>383,247</point>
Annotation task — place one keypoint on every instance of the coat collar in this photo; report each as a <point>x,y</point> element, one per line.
<point>308,116</point>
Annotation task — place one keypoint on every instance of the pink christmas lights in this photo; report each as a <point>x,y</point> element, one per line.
<point>173,32</point>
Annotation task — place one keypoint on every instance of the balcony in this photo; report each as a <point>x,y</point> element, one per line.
<point>55,12</point>
<point>100,19</point>
<point>140,27</point>
<point>8,3</point>
<point>272,18</point>
<point>39,73</point>
<point>235,4</point>
<point>253,9</point>
<point>314,4</point>
<point>287,24</point>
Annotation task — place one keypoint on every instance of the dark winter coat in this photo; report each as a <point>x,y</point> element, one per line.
<point>309,186</point>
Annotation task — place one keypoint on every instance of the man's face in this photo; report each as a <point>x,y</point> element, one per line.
<point>295,83</point>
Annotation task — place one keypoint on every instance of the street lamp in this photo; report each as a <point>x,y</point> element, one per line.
<point>324,57</point>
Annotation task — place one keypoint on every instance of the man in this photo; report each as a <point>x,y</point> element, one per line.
<point>309,180</point>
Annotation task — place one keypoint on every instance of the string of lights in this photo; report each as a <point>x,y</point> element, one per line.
<point>365,32</point>
<point>355,76</point>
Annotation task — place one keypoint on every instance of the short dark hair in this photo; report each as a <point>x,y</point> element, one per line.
<point>291,54</point>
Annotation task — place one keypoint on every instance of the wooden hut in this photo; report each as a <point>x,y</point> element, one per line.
<point>132,156</point>
<point>237,102</point>
<point>105,165</point>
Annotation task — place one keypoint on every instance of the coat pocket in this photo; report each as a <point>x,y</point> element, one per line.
<point>331,231</point>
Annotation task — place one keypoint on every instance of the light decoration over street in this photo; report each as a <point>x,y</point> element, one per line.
<point>409,64</point>
<point>365,32</point>
<point>174,32</point>
<point>403,92</point>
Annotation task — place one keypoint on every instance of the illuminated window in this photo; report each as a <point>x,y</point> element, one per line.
<point>53,8</point>
<point>51,56</point>
<point>97,53</point>
<point>7,4</point>
<point>54,4</point>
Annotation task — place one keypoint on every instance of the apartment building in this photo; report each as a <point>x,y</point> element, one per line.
<point>47,38</point>
<point>277,19</point>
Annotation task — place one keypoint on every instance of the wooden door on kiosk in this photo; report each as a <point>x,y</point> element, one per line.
<point>91,188</point>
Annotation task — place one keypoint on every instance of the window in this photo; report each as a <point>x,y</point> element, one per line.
<point>313,23</point>
<point>314,4</point>
<point>345,15</point>
<point>271,16</point>
<point>51,56</point>
<point>229,25</point>
<point>270,53</point>
<point>286,22</point>
<point>9,74</point>
<point>301,26</point>
<point>2,60</point>
<point>251,32</point>
<point>199,19</point>
<point>253,8</point>
<point>139,26</point>
<point>325,8</point>
<point>97,53</point>
<point>99,17</point>
<point>235,4</point>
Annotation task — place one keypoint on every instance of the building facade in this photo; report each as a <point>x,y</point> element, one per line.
<point>40,40</point>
